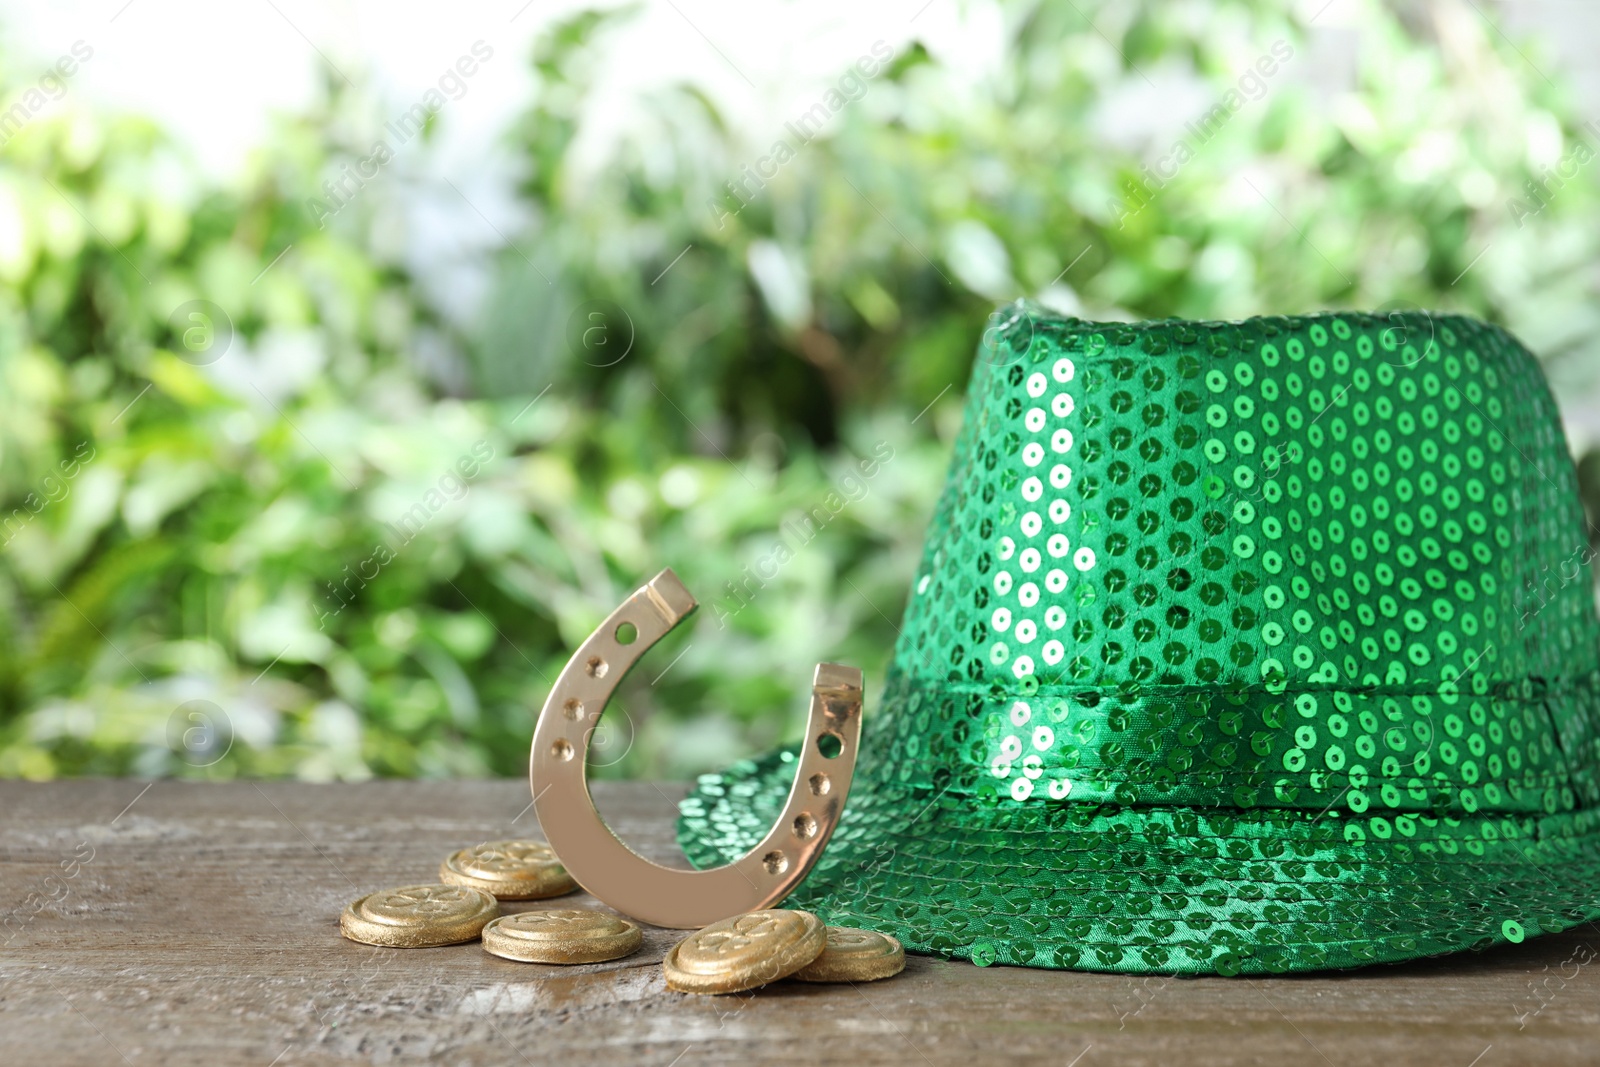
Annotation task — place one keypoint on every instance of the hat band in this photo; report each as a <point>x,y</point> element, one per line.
<point>1492,746</point>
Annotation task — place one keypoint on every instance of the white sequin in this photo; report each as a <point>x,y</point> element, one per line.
<point>1059,788</point>
<point>1043,738</point>
<point>1021,789</point>
<point>1007,547</point>
<point>1033,453</point>
<point>1061,440</point>
<point>1056,580</point>
<point>1052,652</point>
<point>1032,766</point>
<point>1011,747</point>
<point>1027,630</point>
<point>1001,619</point>
<point>1021,713</point>
<point>1002,583</point>
<point>1031,523</point>
<point>1036,385</point>
<point>1029,560</point>
<point>1056,617</point>
<point>1032,489</point>
<point>1062,405</point>
<point>1060,475</point>
<point>1028,594</point>
<point>1034,420</point>
<point>1083,559</point>
<point>1063,370</point>
<point>1060,510</point>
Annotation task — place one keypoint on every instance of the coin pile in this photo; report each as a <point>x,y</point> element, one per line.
<point>731,956</point>
<point>466,906</point>
<point>752,950</point>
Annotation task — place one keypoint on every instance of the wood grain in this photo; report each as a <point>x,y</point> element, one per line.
<point>200,926</point>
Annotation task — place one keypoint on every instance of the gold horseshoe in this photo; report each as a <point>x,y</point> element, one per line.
<point>616,874</point>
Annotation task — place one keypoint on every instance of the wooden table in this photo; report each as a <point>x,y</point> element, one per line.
<point>180,923</point>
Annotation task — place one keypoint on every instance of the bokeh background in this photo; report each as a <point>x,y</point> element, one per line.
<point>357,358</point>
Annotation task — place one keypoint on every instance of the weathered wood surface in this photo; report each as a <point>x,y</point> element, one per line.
<point>200,926</point>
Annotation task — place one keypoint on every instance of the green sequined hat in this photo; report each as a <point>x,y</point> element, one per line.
<point>1235,648</point>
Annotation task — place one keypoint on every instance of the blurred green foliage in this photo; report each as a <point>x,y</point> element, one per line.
<point>253,535</point>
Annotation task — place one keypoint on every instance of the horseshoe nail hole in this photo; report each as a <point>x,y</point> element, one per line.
<point>627,633</point>
<point>830,745</point>
<point>821,784</point>
<point>805,827</point>
<point>573,708</point>
<point>596,667</point>
<point>775,862</point>
<point>562,749</point>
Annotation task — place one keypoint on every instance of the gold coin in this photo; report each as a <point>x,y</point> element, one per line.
<point>418,916</point>
<point>744,952</point>
<point>855,956</point>
<point>511,870</point>
<point>561,935</point>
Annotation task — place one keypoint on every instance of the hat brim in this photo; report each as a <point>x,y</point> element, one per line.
<point>1160,890</point>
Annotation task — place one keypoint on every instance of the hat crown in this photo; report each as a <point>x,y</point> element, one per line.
<point>1337,560</point>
